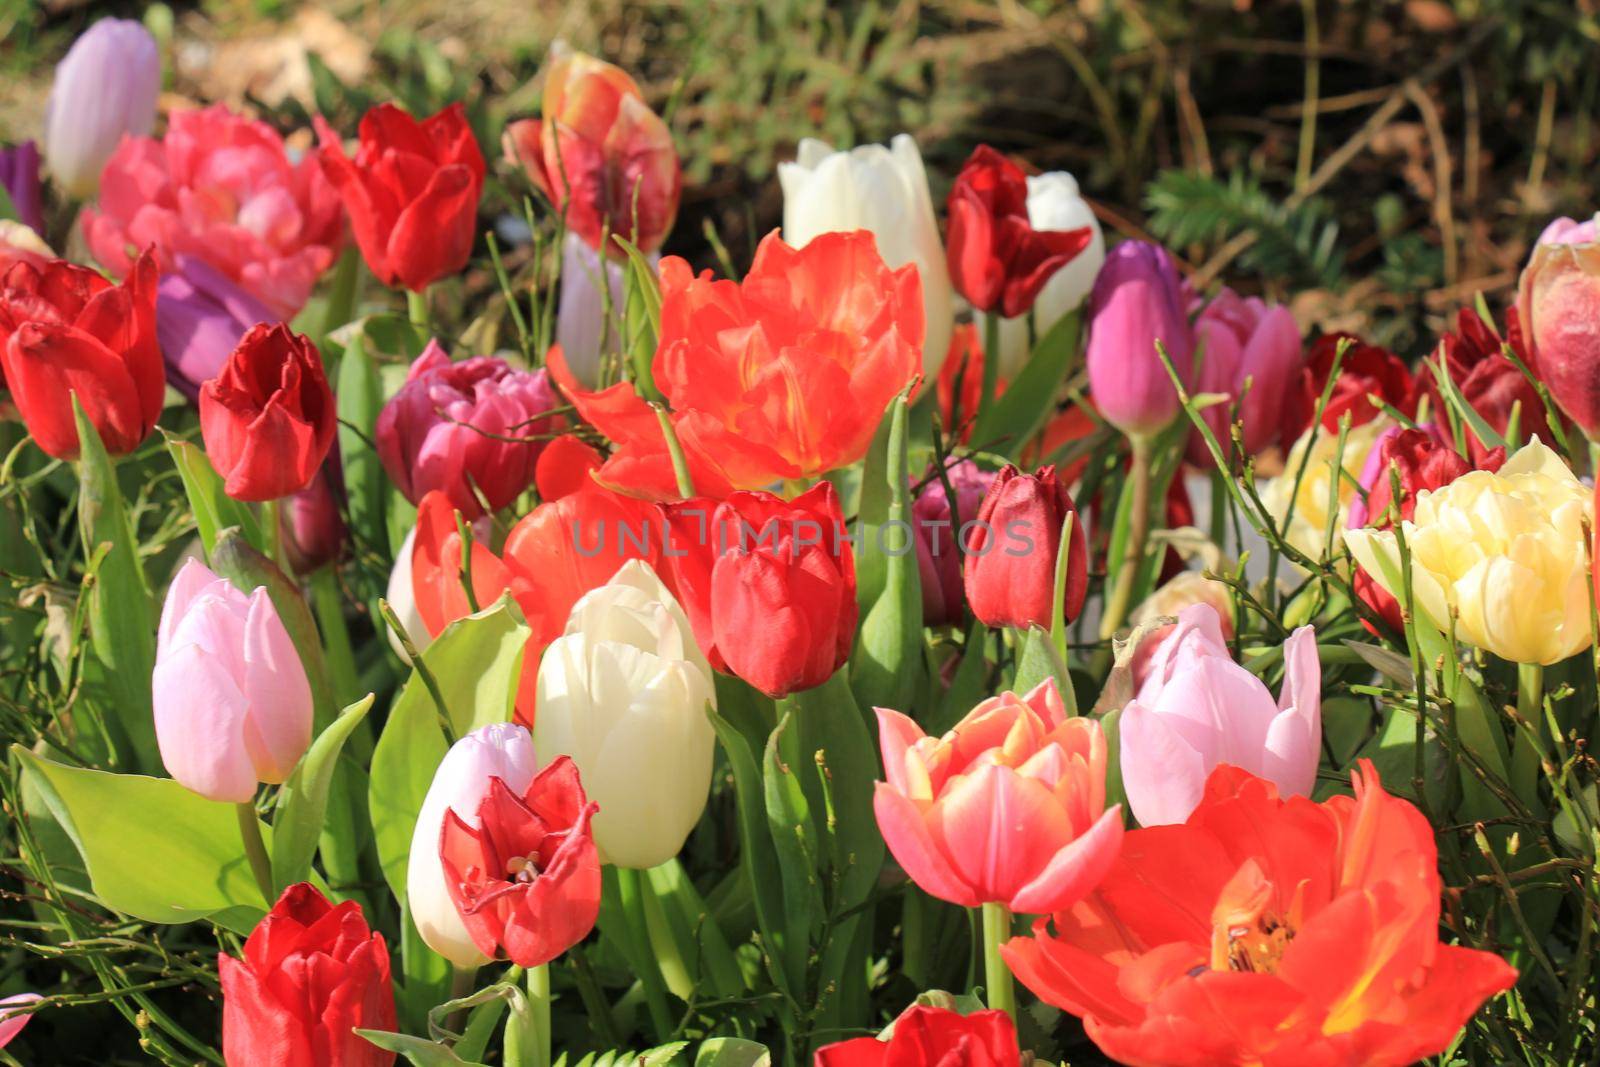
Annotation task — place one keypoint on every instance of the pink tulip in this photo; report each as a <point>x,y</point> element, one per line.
<point>1198,709</point>
<point>1138,299</point>
<point>13,1017</point>
<point>1565,231</point>
<point>1558,303</point>
<point>232,704</point>
<point>1010,806</point>
<point>1241,338</point>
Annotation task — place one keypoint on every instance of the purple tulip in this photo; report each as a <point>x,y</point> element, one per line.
<point>200,317</point>
<point>19,174</point>
<point>1137,300</point>
<point>938,560</point>
<point>1240,338</point>
<point>106,87</point>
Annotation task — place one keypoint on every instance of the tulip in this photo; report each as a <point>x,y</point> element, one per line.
<point>1182,590</point>
<point>1565,231</point>
<point>586,336</point>
<point>784,375</point>
<point>14,1015</point>
<point>1489,382</point>
<point>1054,204</point>
<point>1008,807</point>
<point>311,526</point>
<point>232,703</point>
<point>1138,300</point>
<point>1254,933</point>
<point>18,243</point>
<point>220,187</point>
<point>937,526</point>
<point>65,330</point>
<point>1366,371</point>
<point>769,585</point>
<point>411,192</point>
<point>1502,552</point>
<point>932,1037</point>
<point>499,752</point>
<point>883,190</point>
<point>1197,709</point>
<point>1010,564</point>
<point>998,260</point>
<point>467,428</point>
<point>601,156</point>
<point>401,596</point>
<point>105,88</point>
<point>624,693</point>
<point>312,973</point>
<point>1299,505</point>
<point>1558,299</point>
<point>1243,339</point>
<point>565,467</point>
<point>201,316</point>
<point>525,879</point>
<point>268,419</point>
<point>959,387</point>
<point>19,177</point>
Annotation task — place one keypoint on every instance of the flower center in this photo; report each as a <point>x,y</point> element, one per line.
<point>1247,933</point>
<point>523,869</point>
<point>1257,948</point>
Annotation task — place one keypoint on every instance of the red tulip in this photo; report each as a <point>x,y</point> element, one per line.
<point>268,419</point>
<point>1010,564</point>
<point>997,259</point>
<point>1366,370</point>
<point>769,585</point>
<point>66,330</point>
<point>600,154</point>
<point>1489,382</point>
<point>1266,931</point>
<point>526,879</point>
<point>932,1037</point>
<point>411,192</point>
<point>311,974</point>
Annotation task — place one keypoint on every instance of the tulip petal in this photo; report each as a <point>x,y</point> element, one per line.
<point>999,829</point>
<point>1076,870</point>
<point>905,831</point>
<point>427,243</point>
<point>200,716</point>
<point>278,725</point>
<point>1164,776</point>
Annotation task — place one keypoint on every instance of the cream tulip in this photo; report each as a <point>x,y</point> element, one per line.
<point>883,190</point>
<point>1054,203</point>
<point>1306,508</point>
<point>624,693</point>
<point>1503,550</point>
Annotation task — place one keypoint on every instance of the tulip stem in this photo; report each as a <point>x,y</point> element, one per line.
<point>1117,603</point>
<point>539,1011</point>
<point>272,534</point>
<point>1530,709</point>
<point>991,364</point>
<point>996,975</point>
<point>255,849</point>
<point>417,308</point>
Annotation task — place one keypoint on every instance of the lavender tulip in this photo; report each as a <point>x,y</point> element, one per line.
<point>200,317</point>
<point>582,330</point>
<point>19,175</point>
<point>1137,300</point>
<point>105,87</point>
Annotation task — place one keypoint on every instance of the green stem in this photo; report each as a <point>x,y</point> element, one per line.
<point>991,363</point>
<point>272,534</point>
<point>255,850</point>
<point>1219,508</point>
<point>1117,604</point>
<point>631,887</point>
<point>996,975</point>
<point>1530,708</point>
<point>680,463</point>
<point>417,308</point>
<point>539,1015</point>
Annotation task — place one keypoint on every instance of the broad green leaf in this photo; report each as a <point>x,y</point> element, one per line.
<point>476,662</point>
<point>122,619</point>
<point>153,849</point>
<point>641,320</point>
<point>360,398</point>
<point>794,843</point>
<point>695,934</point>
<point>418,1051</point>
<point>303,799</point>
<point>214,510</point>
<point>731,1052</point>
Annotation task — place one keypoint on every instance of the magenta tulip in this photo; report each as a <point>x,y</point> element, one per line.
<point>1197,709</point>
<point>1138,300</point>
<point>938,558</point>
<point>14,1015</point>
<point>1239,339</point>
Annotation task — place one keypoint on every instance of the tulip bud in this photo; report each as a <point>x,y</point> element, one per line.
<point>526,879</point>
<point>932,1037</point>
<point>105,87</point>
<point>19,176</point>
<point>885,192</point>
<point>1054,203</point>
<point>501,751</point>
<point>312,973</point>
<point>1558,303</point>
<point>1138,300</point>
<point>1010,564</point>
<point>200,318</point>
<point>310,522</point>
<point>624,693</point>
<point>467,429</point>
<point>1196,709</point>
<point>65,330</point>
<point>937,528</point>
<point>411,192</point>
<point>1242,339</point>
<point>584,333</point>
<point>232,703</point>
<point>268,419</point>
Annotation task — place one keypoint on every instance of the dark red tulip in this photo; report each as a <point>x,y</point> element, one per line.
<point>1365,371</point>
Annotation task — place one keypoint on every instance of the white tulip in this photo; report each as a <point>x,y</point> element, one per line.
<point>883,190</point>
<point>624,693</point>
<point>403,599</point>
<point>1054,203</point>
<point>581,327</point>
<point>502,750</point>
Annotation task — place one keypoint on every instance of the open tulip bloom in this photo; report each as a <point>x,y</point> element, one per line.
<point>829,657</point>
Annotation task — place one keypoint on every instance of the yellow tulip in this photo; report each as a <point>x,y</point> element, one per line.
<point>1504,551</point>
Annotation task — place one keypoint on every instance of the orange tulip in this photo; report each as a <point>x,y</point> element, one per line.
<point>784,375</point>
<point>1266,931</point>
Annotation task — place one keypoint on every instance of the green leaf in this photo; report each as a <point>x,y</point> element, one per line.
<point>303,799</point>
<point>794,843</point>
<point>476,661</point>
<point>641,320</point>
<point>214,510</point>
<point>153,849</point>
<point>1028,401</point>
<point>122,620</point>
<point>888,658</point>
<point>699,940</point>
<point>732,1052</point>
<point>416,1050</point>
<point>360,398</point>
